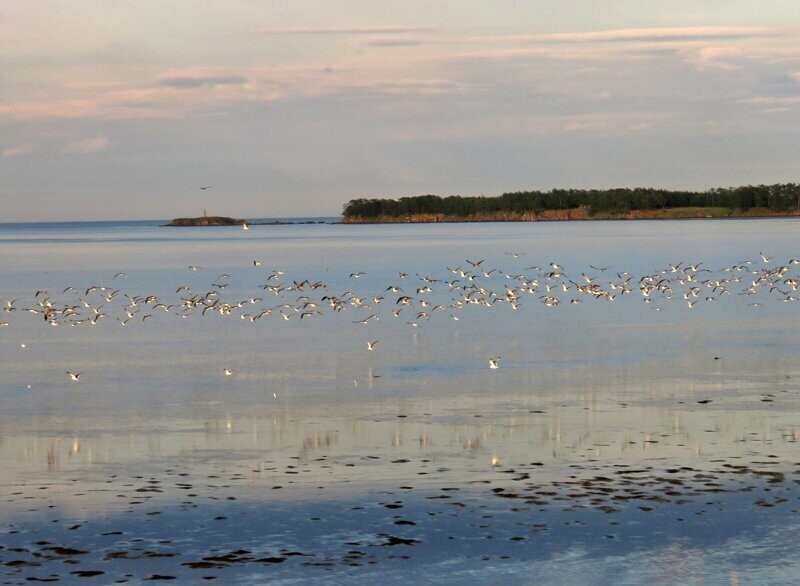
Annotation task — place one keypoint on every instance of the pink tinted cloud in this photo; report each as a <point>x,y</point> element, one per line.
<point>19,150</point>
<point>373,30</point>
<point>698,33</point>
<point>87,146</point>
<point>166,97</point>
<point>450,71</point>
<point>716,57</point>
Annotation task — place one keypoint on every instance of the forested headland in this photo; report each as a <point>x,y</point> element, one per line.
<point>579,204</point>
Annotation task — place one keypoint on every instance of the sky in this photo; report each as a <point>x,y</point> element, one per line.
<point>113,109</point>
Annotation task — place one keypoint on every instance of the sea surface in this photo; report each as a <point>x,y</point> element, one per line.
<point>229,421</point>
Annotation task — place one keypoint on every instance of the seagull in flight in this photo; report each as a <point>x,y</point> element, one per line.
<point>494,362</point>
<point>74,375</point>
<point>366,319</point>
<point>371,345</point>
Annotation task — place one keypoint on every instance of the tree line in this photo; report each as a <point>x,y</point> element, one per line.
<point>779,197</point>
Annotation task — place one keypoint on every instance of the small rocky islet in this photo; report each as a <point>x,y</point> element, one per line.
<point>207,221</point>
<point>227,221</point>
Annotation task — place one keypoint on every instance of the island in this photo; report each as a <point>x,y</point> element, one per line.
<point>226,221</point>
<point>207,221</point>
<point>582,204</point>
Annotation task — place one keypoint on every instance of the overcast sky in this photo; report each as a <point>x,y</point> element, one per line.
<point>124,109</point>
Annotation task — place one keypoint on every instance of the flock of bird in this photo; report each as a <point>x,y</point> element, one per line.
<point>417,300</point>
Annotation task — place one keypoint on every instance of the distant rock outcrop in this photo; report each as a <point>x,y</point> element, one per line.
<point>207,221</point>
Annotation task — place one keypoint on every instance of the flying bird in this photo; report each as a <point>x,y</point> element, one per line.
<point>366,319</point>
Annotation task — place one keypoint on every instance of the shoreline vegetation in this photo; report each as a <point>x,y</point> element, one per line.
<point>778,200</point>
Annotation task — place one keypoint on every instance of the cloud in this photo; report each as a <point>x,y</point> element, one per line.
<point>410,87</point>
<point>373,30</point>
<point>110,106</point>
<point>192,81</point>
<point>780,84</point>
<point>776,91</point>
<point>702,33</point>
<point>715,57</point>
<point>395,42</point>
<point>164,97</point>
<point>770,101</point>
<point>616,43</point>
<point>473,69</point>
<point>490,126</point>
<point>87,146</point>
<point>19,150</point>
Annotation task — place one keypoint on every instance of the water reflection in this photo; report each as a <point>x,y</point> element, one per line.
<point>609,438</point>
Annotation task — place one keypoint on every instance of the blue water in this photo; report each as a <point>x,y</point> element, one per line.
<point>122,224</point>
<point>120,231</point>
<point>619,441</point>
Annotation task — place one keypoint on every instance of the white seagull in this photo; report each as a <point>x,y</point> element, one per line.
<point>494,362</point>
<point>366,319</point>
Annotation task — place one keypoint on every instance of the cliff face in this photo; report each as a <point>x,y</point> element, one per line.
<point>206,221</point>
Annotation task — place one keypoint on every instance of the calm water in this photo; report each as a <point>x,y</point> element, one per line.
<point>642,426</point>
